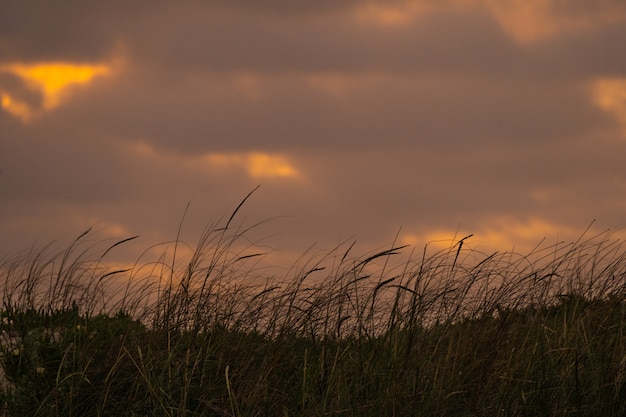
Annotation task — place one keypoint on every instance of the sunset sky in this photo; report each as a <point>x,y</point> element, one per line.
<point>360,120</point>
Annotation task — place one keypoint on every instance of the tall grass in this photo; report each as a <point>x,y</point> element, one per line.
<point>391,333</point>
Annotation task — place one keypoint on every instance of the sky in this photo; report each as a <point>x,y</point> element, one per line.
<point>380,122</point>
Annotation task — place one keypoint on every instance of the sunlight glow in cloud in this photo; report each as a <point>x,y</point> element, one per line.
<point>526,21</point>
<point>529,21</point>
<point>257,164</point>
<point>435,240</point>
<point>51,80</point>
<point>15,107</point>
<point>610,95</point>
<point>501,234</point>
<point>523,235</point>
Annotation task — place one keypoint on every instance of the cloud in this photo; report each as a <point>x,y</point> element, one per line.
<point>242,113</point>
<point>610,95</point>
<point>221,78</point>
<point>53,78</point>
<point>257,165</point>
<point>16,98</point>
<point>530,21</point>
<point>49,80</point>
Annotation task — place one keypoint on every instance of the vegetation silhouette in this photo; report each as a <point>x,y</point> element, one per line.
<point>454,332</point>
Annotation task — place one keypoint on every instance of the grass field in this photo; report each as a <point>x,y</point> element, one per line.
<point>445,333</point>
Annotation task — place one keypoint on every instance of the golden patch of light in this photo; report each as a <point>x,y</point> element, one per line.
<point>51,79</point>
<point>526,21</point>
<point>109,229</point>
<point>261,165</point>
<point>529,21</point>
<point>410,239</point>
<point>523,235</point>
<point>15,107</point>
<point>436,240</point>
<point>502,234</point>
<point>256,164</point>
<point>610,95</point>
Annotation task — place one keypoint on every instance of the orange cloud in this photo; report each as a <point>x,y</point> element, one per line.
<point>256,164</point>
<point>502,234</point>
<point>15,107</point>
<point>529,21</point>
<point>51,79</point>
<point>610,95</point>
<point>437,239</point>
<point>523,235</point>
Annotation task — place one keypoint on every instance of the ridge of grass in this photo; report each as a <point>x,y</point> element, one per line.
<point>454,332</point>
